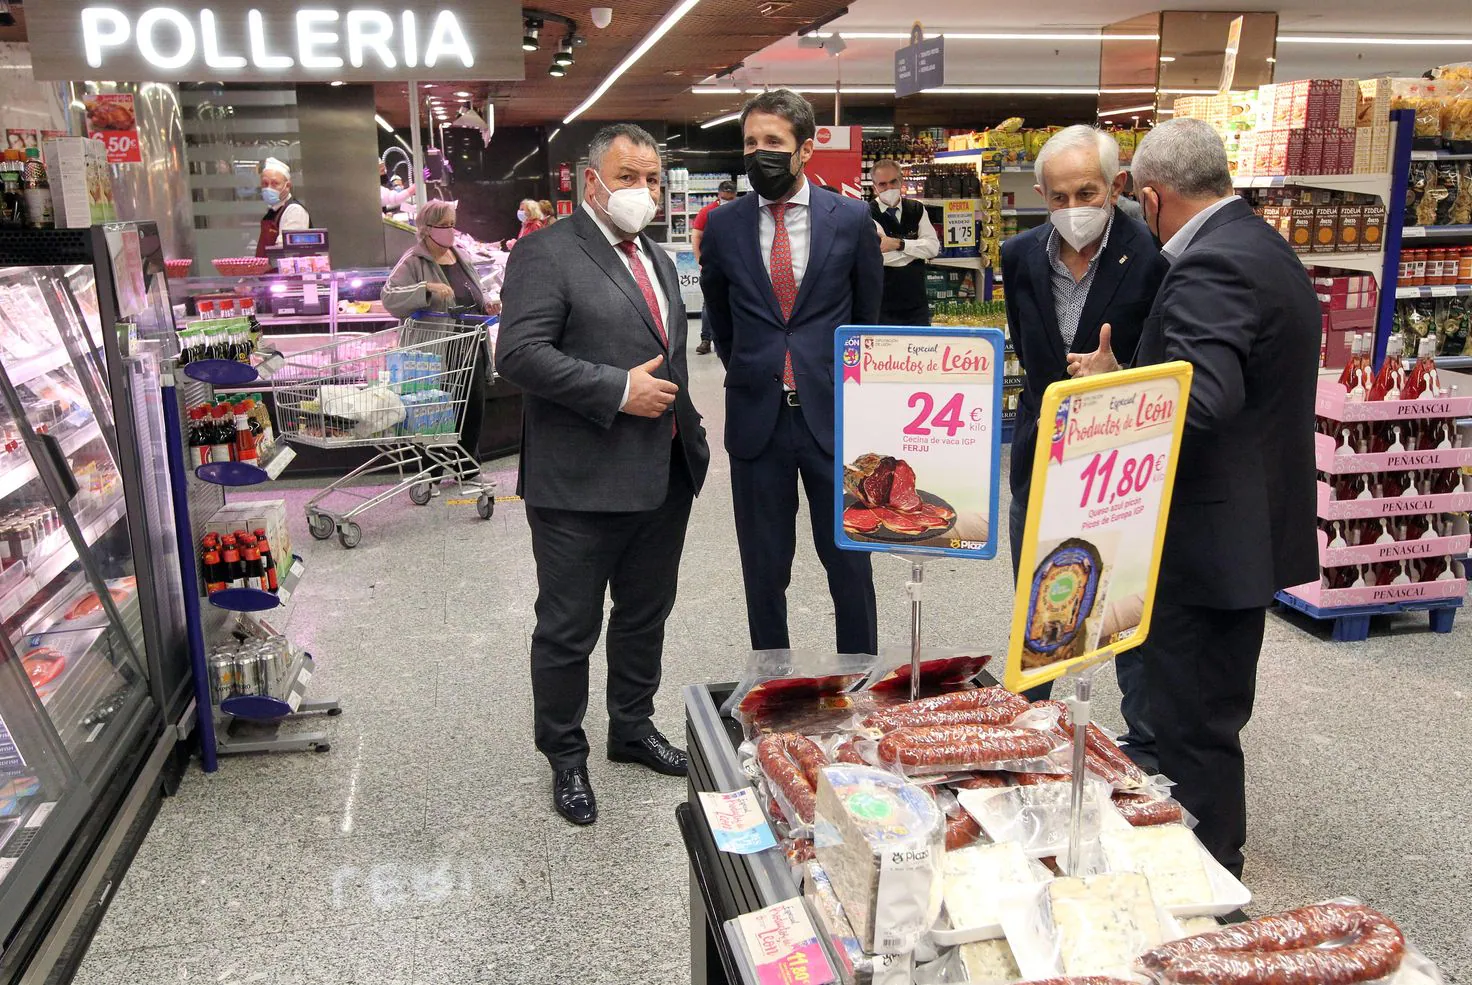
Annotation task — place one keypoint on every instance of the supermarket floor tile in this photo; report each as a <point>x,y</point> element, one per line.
<point>423,847</point>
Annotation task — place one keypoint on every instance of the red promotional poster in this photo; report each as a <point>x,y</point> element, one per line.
<point>837,160</point>
<point>110,119</point>
<point>564,206</point>
<point>564,177</point>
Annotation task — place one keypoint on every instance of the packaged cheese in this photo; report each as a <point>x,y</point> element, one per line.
<point>1168,855</point>
<point>859,967</point>
<point>977,879</point>
<point>881,841</point>
<point>1102,923</point>
<point>989,963</point>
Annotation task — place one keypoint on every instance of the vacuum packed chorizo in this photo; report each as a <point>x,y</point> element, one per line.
<point>961,830</point>
<point>962,746</point>
<point>1142,811</point>
<point>906,715</point>
<point>778,756</point>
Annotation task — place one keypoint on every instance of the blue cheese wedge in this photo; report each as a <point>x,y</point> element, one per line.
<point>1101,923</point>
<point>989,963</point>
<point>977,876</point>
<point>1168,855</point>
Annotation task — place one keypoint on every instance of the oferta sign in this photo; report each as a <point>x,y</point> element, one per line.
<point>275,40</point>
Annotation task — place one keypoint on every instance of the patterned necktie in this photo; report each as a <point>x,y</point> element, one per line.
<point>784,281</point>
<point>641,275</point>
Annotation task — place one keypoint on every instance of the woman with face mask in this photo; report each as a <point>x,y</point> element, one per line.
<point>530,216</point>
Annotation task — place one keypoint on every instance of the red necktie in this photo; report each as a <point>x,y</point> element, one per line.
<point>642,276</point>
<point>784,281</point>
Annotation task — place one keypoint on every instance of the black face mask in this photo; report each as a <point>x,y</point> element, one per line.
<point>1154,233</point>
<point>770,172</point>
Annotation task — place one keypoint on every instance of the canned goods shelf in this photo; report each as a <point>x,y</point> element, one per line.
<point>244,473</point>
<point>268,707</point>
<point>258,600</point>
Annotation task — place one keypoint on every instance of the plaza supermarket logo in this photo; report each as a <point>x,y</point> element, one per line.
<point>170,39</point>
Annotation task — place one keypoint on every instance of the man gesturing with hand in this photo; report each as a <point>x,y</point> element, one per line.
<point>612,454</point>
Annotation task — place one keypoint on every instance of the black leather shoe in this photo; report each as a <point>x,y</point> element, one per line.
<point>653,751</point>
<point>703,349</point>
<point>572,795</point>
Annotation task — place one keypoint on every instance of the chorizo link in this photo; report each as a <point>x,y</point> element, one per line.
<point>783,773</point>
<point>1086,980</point>
<point>1096,742</point>
<point>905,715</point>
<point>848,752</point>
<point>807,754</point>
<point>978,697</point>
<point>959,746</point>
<point>961,830</point>
<point>1038,779</point>
<point>1142,811</point>
<point>981,781</point>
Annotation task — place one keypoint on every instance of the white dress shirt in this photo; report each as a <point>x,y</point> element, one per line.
<point>294,215</point>
<point>664,305</point>
<point>1182,239</point>
<point>926,246</point>
<point>799,229</point>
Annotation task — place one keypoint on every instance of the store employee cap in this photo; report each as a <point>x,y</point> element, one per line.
<point>272,164</point>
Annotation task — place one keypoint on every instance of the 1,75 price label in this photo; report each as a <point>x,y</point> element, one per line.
<point>1134,475</point>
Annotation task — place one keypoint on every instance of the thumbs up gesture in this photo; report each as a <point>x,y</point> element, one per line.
<point>649,396</point>
<point>1101,360</point>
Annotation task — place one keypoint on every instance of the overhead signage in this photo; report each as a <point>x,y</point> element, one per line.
<point>275,41</point>
<point>1101,485</point>
<point>918,440</point>
<point>920,65</point>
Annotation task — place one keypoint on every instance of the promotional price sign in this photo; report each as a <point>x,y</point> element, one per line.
<point>918,439</point>
<point>111,119</point>
<point>783,946</point>
<point>960,222</point>
<point>1101,485</point>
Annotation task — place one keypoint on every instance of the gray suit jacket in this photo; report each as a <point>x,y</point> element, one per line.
<point>573,323</point>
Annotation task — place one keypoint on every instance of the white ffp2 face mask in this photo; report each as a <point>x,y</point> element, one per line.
<point>1080,226</point>
<point>889,198</point>
<point>630,209</point>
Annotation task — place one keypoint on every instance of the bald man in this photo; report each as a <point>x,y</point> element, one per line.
<point>283,211</point>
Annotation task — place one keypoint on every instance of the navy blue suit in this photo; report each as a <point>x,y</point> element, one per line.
<point>771,444</point>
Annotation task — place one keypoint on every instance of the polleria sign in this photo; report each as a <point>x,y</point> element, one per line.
<point>274,40</point>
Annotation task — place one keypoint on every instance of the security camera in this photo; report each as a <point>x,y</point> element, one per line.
<point>601,16</point>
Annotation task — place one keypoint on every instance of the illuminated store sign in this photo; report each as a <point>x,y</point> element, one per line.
<point>274,40</point>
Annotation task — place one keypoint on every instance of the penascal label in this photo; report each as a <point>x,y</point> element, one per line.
<point>1420,408</point>
<point>1411,460</point>
<point>1391,593</point>
<point>1407,506</point>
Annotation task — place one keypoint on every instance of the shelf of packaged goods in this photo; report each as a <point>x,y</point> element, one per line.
<point>1360,184</point>
<point>258,600</point>
<point>25,470</point>
<point>60,553</point>
<point>1436,234</point>
<point>1370,263</point>
<point>1439,291</point>
<point>267,707</point>
<point>98,676</point>
<point>245,473</point>
<point>1330,508</point>
<point>1438,155</point>
<point>1013,381</point>
<point>1394,550</point>
<point>1038,210</point>
<point>958,263</point>
<point>1334,461</point>
<point>25,370</point>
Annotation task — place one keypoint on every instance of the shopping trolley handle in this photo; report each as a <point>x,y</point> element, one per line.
<point>469,317</point>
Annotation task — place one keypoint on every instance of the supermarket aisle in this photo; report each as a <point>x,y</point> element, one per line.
<point>423,847</point>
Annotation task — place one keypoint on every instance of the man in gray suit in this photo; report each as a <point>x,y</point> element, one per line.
<point>612,454</point>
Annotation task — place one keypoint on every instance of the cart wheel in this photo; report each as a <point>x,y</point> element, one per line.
<point>419,494</point>
<point>333,712</point>
<point>324,747</point>
<point>350,535</point>
<point>320,525</point>
<point>485,506</point>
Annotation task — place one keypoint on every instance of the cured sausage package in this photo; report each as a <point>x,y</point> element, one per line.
<point>1037,816</point>
<point>789,764</point>
<point>1030,743</point>
<point>941,670</point>
<point>880,840</point>
<point>798,691</point>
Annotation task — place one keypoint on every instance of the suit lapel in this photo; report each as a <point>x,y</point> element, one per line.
<point>596,245</point>
<point>1042,278</point>
<point>1119,256</point>
<point>821,229</point>
<point>750,247</point>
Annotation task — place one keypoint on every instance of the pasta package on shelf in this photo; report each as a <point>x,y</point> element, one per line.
<point>798,691</point>
<point>1098,925</point>
<point>880,839</point>
<point>859,967</point>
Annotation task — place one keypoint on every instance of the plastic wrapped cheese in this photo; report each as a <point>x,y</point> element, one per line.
<point>1102,923</point>
<point>989,963</point>
<point>977,879</point>
<point>1168,855</point>
<point>881,841</point>
<point>859,966</point>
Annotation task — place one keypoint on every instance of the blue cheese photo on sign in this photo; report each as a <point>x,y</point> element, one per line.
<point>918,437</point>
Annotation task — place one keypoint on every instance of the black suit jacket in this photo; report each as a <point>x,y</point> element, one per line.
<point>1238,306</point>
<point>840,286</point>
<point>573,323</point>
<point>1129,274</point>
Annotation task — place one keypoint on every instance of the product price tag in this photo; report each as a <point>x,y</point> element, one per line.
<point>960,222</point>
<point>1413,232</point>
<point>40,814</point>
<point>111,119</point>
<point>1101,485</point>
<point>736,822</point>
<point>783,946</point>
<point>918,440</point>
<point>1443,291</point>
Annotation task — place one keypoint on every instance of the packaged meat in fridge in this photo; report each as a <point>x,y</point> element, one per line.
<point>881,841</point>
<point>780,683</point>
<point>857,966</point>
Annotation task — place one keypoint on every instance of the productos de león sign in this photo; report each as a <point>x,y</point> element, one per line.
<point>275,40</point>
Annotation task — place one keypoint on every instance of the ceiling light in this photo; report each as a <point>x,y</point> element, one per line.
<point>1272,61</point>
<point>463,94</point>
<point>1315,39</point>
<point>728,118</point>
<point>650,40</point>
<point>1167,58</point>
<point>382,122</point>
<point>337,83</point>
<point>564,53</point>
<point>557,70</point>
<point>1147,108</point>
<point>531,34</point>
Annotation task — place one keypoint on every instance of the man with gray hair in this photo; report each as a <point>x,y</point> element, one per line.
<point>1238,306</point>
<point>1090,269</point>
<point>612,454</point>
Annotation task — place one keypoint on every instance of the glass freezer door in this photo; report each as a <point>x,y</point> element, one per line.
<point>68,596</point>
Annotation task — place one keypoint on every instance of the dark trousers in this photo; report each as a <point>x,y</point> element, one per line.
<point>1129,666</point>
<point>1200,675</point>
<point>705,335</point>
<point>765,493</point>
<point>580,555</point>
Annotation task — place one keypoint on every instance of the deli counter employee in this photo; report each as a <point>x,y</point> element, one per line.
<point>284,212</point>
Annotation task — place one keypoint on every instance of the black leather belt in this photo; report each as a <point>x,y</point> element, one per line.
<point>789,397</point>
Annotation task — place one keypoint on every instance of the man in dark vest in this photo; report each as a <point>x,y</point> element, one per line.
<point>908,240</point>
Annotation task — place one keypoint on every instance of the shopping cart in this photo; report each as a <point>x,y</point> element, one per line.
<point>402,392</point>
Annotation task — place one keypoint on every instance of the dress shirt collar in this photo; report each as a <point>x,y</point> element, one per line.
<point>1183,237</point>
<point>800,197</point>
<point>608,231</point>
